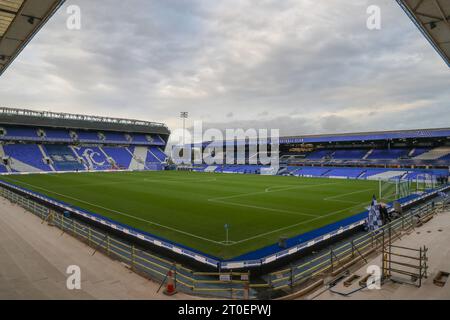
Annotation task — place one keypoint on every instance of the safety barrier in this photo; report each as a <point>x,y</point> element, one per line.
<point>233,285</point>
<point>336,259</point>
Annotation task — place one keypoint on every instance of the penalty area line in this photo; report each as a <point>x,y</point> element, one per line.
<point>296,225</point>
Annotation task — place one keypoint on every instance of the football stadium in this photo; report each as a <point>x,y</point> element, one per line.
<point>112,175</point>
<point>240,230</point>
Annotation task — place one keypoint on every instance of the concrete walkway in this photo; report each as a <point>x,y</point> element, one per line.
<point>34,258</point>
<point>435,235</point>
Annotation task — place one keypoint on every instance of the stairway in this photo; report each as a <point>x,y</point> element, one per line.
<point>45,156</point>
<point>2,155</point>
<point>368,154</point>
<point>361,174</point>
<point>139,157</point>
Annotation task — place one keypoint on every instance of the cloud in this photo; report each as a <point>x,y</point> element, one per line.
<point>302,66</point>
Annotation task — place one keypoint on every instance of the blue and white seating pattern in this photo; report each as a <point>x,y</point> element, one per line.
<point>63,158</point>
<point>25,133</point>
<point>26,157</point>
<point>121,156</point>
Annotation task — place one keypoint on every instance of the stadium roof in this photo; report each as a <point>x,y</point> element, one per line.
<point>370,136</point>
<point>20,20</point>
<point>432,17</point>
<point>349,137</point>
<point>11,116</point>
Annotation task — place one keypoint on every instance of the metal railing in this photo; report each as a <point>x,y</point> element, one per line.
<point>233,285</point>
<point>79,117</point>
<point>337,259</point>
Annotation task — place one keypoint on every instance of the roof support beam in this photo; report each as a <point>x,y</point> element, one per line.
<point>442,13</point>
<point>27,20</point>
<point>426,15</point>
<point>8,11</point>
<point>417,5</point>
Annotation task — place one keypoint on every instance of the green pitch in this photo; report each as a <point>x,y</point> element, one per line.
<point>192,208</point>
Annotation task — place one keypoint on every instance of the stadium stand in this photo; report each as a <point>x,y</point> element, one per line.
<point>140,138</point>
<point>63,158</point>
<point>57,135</point>
<point>346,172</point>
<point>158,153</point>
<point>19,133</point>
<point>434,154</point>
<point>46,142</point>
<point>151,158</point>
<point>406,154</point>
<point>382,154</point>
<point>418,151</point>
<point>115,137</point>
<point>349,154</point>
<point>320,154</point>
<point>120,156</point>
<point>93,157</point>
<point>26,157</point>
<point>88,136</point>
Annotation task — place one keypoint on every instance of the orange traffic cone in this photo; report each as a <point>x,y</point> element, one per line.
<point>170,287</point>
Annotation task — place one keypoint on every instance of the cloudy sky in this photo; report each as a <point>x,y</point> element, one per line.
<point>303,66</point>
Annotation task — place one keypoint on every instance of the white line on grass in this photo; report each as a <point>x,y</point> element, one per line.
<point>271,191</point>
<point>181,180</point>
<point>295,225</point>
<point>346,194</point>
<point>122,213</point>
<point>230,243</point>
<point>267,190</point>
<point>297,213</point>
<point>130,182</point>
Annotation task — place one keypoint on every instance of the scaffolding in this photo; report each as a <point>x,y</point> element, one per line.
<point>404,264</point>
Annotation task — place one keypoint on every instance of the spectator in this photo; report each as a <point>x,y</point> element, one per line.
<point>384,214</point>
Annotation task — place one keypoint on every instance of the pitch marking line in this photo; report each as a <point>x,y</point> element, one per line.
<point>297,213</point>
<point>122,213</point>
<point>127,181</point>
<point>295,225</point>
<point>230,243</point>
<point>181,180</point>
<point>333,198</point>
<point>271,191</point>
<point>268,190</point>
<point>347,194</point>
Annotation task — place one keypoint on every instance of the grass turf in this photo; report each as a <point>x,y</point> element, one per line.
<point>192,208</point>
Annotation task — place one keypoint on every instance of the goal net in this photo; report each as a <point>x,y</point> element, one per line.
<point>270,171</point>
<point>394,189</point>
<point>425,182</point>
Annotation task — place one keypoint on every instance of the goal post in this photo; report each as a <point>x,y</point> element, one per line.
<point>270,171</point>
<point>394,189</point>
